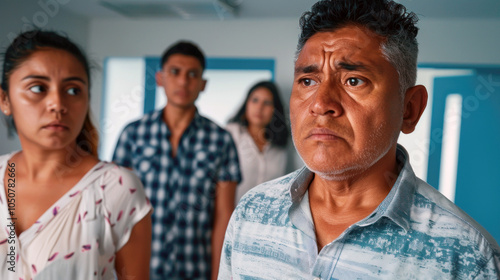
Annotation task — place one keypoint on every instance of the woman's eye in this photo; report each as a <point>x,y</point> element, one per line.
<point>354,82</point>
<point>268,103</point>
<point>308,82</point>
<point>73,91</point>
<point>36,89</point>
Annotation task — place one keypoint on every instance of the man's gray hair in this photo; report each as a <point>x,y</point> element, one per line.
<point>384,17</point>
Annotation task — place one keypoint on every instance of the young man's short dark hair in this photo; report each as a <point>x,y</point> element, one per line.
<point>184,48</point>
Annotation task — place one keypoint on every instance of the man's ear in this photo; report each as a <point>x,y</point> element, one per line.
<point>5,103</point>
<point>203,85</point>
<point>158,79</point>
<point>415,101</point>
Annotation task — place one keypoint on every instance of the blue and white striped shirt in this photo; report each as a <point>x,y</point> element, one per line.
<point>415,233</point>
<point>181,189</point>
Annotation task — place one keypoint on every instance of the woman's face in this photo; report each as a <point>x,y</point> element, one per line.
<point>259,107</point>
<point>48,97</point>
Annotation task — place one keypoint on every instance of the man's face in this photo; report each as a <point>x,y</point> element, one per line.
<point>181,78</point>
<point>345,108</point>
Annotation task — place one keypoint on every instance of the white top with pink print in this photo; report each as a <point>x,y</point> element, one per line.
<point>78,236</point>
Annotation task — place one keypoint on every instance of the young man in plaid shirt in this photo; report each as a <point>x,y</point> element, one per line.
<point>189,168</point>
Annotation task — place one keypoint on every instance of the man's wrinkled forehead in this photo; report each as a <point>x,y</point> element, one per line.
<point>346,45</point>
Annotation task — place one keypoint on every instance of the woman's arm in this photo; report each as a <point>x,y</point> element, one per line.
<point>132,260</point>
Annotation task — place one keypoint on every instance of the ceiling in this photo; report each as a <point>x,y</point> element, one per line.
<point>262,9</point>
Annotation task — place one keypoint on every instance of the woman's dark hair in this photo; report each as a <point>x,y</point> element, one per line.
<point>277,129</point>
<point>27,43</point>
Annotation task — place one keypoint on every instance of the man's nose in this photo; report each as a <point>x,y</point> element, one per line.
<point>326,101</point>
<point>183,79</point>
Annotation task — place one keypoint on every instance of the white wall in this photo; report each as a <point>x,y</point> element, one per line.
<point>459,41</point>
<point>21,15</point>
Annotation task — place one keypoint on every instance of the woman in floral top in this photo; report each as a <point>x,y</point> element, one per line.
<point>63,213</point>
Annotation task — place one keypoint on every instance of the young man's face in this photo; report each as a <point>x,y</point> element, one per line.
<point>345,108</point>
<point>181,78</point>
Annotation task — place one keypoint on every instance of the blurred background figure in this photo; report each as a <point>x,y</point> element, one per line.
<point>260,132</point>
<point>189,167</point>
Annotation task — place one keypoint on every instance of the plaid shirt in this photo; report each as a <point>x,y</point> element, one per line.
<point>181,188</point>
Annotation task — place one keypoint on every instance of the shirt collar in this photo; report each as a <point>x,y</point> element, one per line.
<point>197,122</point>
<point>398,203</point>
<point>396,206</point>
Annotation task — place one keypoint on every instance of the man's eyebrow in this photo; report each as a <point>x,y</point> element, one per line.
<point>306,69</point>
<point>349,66</point>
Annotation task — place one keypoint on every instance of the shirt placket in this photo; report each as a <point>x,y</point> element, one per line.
<point>327,260</point>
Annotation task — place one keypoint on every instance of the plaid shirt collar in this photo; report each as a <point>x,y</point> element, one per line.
<point>196,123</point>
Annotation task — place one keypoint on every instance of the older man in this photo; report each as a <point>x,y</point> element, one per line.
<point>356,211</point>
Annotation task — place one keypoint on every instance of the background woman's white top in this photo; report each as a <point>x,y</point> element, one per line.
<point>256,167</point>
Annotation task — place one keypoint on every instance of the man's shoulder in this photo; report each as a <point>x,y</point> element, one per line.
<point>268,202</point>
<point>275,187</point>
<point>146,119</point>
<point>445,216</point>
<point>209,124</point>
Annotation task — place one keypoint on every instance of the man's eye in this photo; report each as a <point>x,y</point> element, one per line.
<point>308,82</point>
<point>174,71</point>
<point>73,91</point>
<point>192,74</point>
<point>36,89</point>
<point>353,82</point>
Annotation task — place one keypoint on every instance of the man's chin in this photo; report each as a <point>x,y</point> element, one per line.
<point>335,173</point>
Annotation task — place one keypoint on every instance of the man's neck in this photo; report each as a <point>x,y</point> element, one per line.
<point>338,204</point>
<point>368,187</point>
<point>177,120</point>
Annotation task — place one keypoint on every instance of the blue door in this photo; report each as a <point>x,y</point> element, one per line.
<point>477,189</point>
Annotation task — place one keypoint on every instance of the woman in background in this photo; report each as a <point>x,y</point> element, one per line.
<point>63,213</point>
<point>260,132</point>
